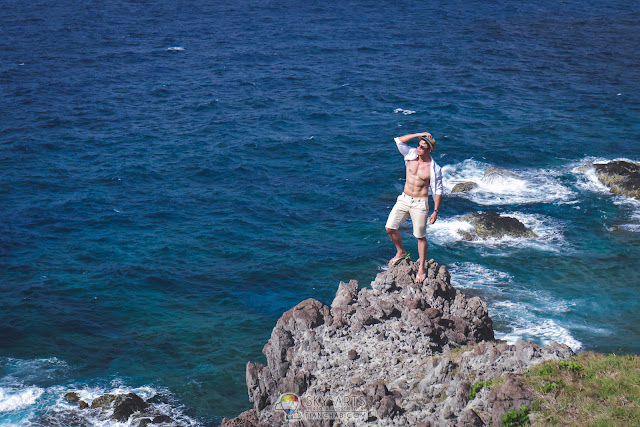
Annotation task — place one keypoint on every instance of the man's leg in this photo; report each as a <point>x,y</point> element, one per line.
<point>396,238</point>
<point>398,214</point>
<point>422,250</point>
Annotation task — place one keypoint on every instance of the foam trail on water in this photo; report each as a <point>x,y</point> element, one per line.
<point>550,233</point>
<point>522,320</point>
<point>507,187</point>
<point>27,397</point>
<point>12,399</point>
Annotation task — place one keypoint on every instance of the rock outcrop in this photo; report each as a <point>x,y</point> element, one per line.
<point>463,187</point>
<point>125,408</point>
<point>495,175</point>
<point>491,225</point>
<point>399,353</point>
<point>620,176</point>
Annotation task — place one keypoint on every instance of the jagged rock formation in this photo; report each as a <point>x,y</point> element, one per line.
<point>397,354</point>
<point>620,176</point>
<point>487,225</point>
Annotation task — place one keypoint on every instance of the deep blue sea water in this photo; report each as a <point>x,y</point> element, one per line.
<point>176,175</point>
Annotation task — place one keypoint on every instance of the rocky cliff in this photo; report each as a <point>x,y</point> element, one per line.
<point>396,354</point>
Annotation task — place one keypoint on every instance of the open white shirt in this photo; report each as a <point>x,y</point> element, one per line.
<point>435,182</point>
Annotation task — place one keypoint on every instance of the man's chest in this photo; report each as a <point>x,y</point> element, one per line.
<point>419,170</point>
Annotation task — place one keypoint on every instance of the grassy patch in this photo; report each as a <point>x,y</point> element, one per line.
<point>516,418</point>
<point>477,387</point>
<point>588,390</point>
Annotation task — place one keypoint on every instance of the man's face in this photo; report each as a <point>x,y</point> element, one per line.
<point>423,147</point>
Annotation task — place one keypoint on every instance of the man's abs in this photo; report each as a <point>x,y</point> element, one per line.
<point>416,185</point>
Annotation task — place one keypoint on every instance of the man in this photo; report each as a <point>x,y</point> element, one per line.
<point>422,174</point>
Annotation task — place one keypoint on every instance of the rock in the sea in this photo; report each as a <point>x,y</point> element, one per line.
<point>487,225</point>
<point>72,397</point>
<point>103,401</point>
<point>397,353</point>
<point>463,187</point>
<point>620,176</point>
<point>496,175</point>
<point>125,405</point>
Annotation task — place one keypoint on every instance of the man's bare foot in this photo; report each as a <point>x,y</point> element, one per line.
<point>399,257</point>
<point>420,277</point>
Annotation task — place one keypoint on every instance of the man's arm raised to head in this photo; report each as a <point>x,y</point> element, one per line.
<point>406,138</point>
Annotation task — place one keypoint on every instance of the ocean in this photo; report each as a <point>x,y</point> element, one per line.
<point>176,175</point>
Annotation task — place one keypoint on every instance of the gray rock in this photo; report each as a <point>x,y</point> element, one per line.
<point>493,225</point>
<point>103,401</point>
<point>620,176</point>
<point>246,419</point>
<point>463,187</point>
<point>509,395</point>
<point>72,397</point>
<point>394,346</point>
<point>126,405</point>
<point>494,175</point>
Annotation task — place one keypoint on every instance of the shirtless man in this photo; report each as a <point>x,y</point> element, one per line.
<point>422,174</point>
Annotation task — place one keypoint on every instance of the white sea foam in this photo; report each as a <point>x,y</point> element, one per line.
<point>405,112</point>
<point>545,332</point>
<point>515,187</point>
<point>549,230</point>
<point>175,48</point>
<point>588,181</point>
<point>23,402</point>
<point>13,399</point>
<point>468,275</point>
<point>507,303</point>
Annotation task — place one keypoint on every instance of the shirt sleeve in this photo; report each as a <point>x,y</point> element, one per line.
<point>436,181</point>
<point>408,152</point>
<point>402,147</point>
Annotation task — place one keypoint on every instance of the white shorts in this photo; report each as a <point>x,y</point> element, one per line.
<point>416,207</point>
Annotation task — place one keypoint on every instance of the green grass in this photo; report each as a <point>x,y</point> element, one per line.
<point>477,387</point>
<point>588,390</point>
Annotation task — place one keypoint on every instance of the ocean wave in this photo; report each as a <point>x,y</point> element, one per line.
<point>14,398</point>
<point>175,49</point>
<point>28,397</point>
<point>507,306</point>
<point>405,112</point>
<point>550,232</point>
<point>520,186</point>
<point>545,332</point>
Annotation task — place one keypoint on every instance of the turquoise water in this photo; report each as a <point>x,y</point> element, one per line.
<point>174,177</point>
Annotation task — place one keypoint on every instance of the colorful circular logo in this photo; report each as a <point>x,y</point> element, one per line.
<point>289,404</point>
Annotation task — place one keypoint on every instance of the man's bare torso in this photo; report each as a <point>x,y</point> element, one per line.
<point>418,176</point>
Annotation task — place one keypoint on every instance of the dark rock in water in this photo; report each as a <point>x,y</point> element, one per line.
<point>463,187</point>
<point>72,397</point>
<point>620,176</point>
<point>492,225</point>
<point>103,401</point>
<point>82,404</point>
<point>125,405</point>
